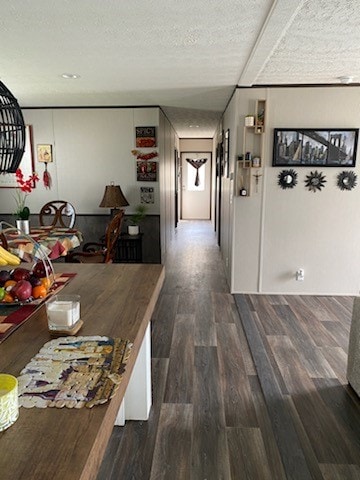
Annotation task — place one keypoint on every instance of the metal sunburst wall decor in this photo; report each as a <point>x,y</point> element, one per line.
<point>315,181</point>
<point>287,179</point>
<point>346,180</point>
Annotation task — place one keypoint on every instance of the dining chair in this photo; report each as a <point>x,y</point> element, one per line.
<point>3,241</point>
<point>57,213</point>
<point>100,252</point>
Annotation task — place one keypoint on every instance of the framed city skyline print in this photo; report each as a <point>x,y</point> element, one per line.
<point>322,147</point>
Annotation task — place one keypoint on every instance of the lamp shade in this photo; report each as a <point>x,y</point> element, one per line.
<point>113,197</point>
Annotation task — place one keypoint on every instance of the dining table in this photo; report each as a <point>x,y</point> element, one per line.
<point>118,301</point>
<point>55,241</point>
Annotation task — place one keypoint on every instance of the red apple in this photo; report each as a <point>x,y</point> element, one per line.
<point>20,274</point>
<point>22,290</point>
<point>39,270</point>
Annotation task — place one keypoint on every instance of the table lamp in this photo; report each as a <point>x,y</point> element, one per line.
<point>113,198</point>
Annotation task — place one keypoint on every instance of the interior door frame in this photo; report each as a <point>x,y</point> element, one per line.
<point>210,153</point>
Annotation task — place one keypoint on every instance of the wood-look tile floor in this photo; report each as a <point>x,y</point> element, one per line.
<point>215,414</point>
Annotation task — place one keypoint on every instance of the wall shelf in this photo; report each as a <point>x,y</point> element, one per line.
<point>250,161</point>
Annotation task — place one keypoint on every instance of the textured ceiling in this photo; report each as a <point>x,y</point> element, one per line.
<point>186,57</point>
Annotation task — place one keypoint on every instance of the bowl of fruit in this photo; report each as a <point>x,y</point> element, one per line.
<point>22,286</point>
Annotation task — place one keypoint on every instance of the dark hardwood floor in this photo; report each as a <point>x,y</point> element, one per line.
<point>245,387</point>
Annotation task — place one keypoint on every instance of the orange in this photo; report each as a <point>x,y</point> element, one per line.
<point>46,282</point>
<point>9,283</point>
<point>39,291</point>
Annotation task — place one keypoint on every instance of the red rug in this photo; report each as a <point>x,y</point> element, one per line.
<point>12,316</point>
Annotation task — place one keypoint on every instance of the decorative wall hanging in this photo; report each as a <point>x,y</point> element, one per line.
<point>146,171</point>
<point>144,156</point>
<point>287,179</point>
<point>145,137</point>
<point>12,132</point>
<point>315,147</point>
<point>44,155</point>
<point>197,164</point>
<point>315,181</point>
<point>346,180</point>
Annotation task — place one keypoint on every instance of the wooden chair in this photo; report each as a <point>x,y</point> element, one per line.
<point>3,241</point>
<point>57,213</point>
<point>100,252</point>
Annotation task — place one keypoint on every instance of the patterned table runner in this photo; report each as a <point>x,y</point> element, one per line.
<point>11,317</point>
<point>74,372</point>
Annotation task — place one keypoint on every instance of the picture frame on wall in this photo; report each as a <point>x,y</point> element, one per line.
<point>145,137</point>
<point>323,147</point>
<point>8,180</point>
<point>44,153</point>
<point>146,171</point>
<point>227,153</point>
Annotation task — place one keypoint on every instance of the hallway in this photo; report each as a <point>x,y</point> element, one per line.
<point>209,419</point>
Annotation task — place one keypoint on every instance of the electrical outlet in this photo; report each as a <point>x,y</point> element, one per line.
<point>300,275</point>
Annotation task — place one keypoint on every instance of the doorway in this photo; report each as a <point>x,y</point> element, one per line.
<point>196,185</point>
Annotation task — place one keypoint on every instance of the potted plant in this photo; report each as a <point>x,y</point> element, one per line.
<point>135,219</point>
<point>25,187</point>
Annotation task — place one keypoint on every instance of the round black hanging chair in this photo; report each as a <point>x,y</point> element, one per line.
<point>12,132</point>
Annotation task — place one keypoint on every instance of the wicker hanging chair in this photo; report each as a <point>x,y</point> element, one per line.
<point>12,132</point>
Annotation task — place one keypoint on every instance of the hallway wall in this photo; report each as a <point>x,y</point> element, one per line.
<point>278,231</point>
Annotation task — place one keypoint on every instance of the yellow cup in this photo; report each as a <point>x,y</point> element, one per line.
<point>9,407</point>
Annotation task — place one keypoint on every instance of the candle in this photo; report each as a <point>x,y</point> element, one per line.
<point>9,408</point>
<point>63,311</point>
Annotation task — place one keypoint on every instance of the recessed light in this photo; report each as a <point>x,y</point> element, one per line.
<point>70,75</point>
<point>346,79</point>
<point>194,126</point>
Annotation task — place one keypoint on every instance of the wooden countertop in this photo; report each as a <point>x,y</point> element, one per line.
<point>117,300</point>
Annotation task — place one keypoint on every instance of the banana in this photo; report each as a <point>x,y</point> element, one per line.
<point>9,257</point>
<point>3,262</point>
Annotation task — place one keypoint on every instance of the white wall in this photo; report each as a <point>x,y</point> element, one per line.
<point>91,148</point>
<point>277,231</point>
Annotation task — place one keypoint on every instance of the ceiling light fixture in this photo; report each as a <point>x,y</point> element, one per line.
<point>71,76</point>
<point>194,126</point>
<point>346,79</point>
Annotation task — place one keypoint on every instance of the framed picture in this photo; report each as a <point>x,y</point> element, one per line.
<point>227,153</point>
<point>44,153</point>
<point>147,195</point>
<point>145,137</point>
<point>8,180</point>
<point>324,147</point>
<point>146,171</point>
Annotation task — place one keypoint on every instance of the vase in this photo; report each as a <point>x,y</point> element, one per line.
<point>23,226</point>
<point>133,229</point>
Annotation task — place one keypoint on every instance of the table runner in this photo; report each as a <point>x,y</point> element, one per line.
<point>11,317</point>
<point>74,372</point>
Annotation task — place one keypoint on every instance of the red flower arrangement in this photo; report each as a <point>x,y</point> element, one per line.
<point>25,187</point>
